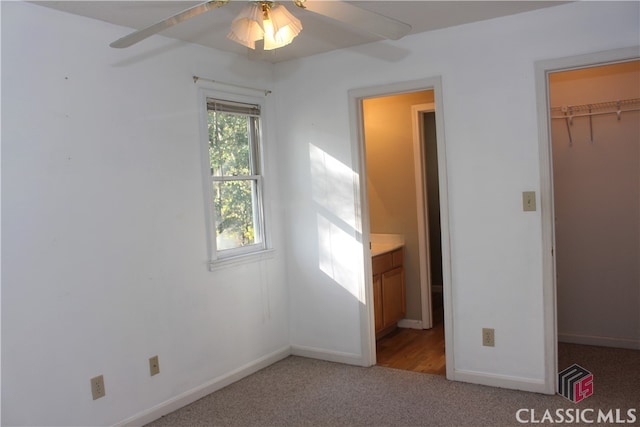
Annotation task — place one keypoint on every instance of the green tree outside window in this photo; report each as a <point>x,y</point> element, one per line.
<point>233,155</point>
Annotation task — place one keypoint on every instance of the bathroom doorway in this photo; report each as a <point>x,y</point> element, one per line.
<point>404,211</point>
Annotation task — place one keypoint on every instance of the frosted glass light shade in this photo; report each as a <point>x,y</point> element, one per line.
<point>281,29</point>
<point>246,28</point>
<point>277,26</point>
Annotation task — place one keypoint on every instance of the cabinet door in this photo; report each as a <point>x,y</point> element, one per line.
<point>393,307</point>
<point>377,302</point>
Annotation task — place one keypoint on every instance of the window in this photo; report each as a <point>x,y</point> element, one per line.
<point>235,179</point>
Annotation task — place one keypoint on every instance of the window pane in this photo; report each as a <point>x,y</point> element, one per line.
<point>236,208</point>
<point>229,143</point>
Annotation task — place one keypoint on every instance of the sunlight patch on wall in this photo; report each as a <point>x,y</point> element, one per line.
<point>333,185</point>
<point>340,251</point>
<point>340,256</point>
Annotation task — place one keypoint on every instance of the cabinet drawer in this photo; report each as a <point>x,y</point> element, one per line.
<point>382,263</point>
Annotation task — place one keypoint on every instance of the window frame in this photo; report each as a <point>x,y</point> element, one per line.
<point>218,258</point>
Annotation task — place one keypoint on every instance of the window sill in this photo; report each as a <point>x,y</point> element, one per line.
<point>241,259</point>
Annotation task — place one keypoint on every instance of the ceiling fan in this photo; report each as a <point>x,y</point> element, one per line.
<point>271,21</point>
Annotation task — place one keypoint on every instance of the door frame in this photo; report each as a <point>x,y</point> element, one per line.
<point>356,96</point>
<point>542,71</point>
<point>424,249</point>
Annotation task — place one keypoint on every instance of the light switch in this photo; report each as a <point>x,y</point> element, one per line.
<point>528,201</point>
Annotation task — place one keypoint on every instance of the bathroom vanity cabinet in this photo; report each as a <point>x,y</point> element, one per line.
<point>388,289</point>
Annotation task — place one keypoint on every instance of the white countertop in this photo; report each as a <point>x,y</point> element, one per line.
<point>381,248</point>
<point>383,243</point>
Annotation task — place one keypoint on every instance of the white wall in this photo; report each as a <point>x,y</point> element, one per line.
<point>597,209</point>
<point>489,110</point>
<point>103,230</point>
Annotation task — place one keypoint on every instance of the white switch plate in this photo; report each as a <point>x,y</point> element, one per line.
<point>528,201</point>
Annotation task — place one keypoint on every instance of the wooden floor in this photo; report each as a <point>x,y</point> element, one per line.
<point>418,350</point>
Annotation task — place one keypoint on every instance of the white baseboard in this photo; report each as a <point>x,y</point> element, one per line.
<point>502,381</point>
<point>209,387</point>
<point>410,324</point>
<point>329,356</point>
<point>599,341</point>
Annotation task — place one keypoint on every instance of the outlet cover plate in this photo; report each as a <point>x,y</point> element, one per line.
<point>97,387</point>
<point>488,337</point>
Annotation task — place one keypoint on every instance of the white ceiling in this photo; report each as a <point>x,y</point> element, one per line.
<point>319,34</point>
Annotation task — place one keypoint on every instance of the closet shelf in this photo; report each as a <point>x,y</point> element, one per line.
<point>569,112</point>
<point>609,107</point>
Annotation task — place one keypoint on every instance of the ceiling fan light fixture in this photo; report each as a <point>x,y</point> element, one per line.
<point>262,20</point>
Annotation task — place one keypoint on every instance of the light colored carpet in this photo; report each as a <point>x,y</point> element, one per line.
<point>305,392</point>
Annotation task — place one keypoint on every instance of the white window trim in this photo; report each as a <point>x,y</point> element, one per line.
<point>249,253</point>
<point>231,261</point>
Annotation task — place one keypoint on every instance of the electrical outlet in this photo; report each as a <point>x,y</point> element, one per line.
<point>97,387</point>
<point>154,365</point>
<point>488,337</point>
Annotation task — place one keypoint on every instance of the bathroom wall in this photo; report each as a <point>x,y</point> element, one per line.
<point>597,208</point>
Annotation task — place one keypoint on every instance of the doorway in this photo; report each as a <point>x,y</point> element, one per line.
<point>544,69</point>
<point>595,139</point>
<point>401,154</point>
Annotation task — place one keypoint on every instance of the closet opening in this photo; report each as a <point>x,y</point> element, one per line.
<point>589,121</point>
<point>595,139</point>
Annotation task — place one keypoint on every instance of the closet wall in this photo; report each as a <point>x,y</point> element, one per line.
<point>596,169</point>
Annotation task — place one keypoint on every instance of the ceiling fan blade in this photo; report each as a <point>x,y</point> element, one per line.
<point>362,19</point>
<point>189,13</point>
